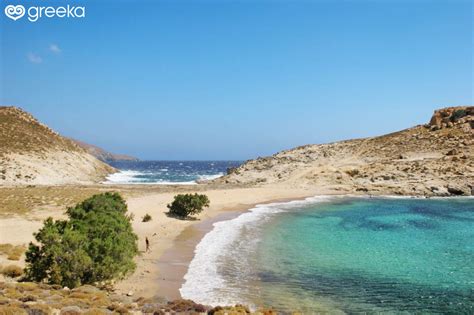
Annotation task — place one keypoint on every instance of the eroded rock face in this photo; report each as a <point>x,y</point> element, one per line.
<point>459,190</point>
<point>450,116</point>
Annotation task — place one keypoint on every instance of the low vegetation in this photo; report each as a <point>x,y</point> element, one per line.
<point>95,244</point>
<point>39,298</point>
<point>11,251</point>
<point>22,200</point>
<point>12,271</point>
<point>146,218</point>
<point>185,205</point>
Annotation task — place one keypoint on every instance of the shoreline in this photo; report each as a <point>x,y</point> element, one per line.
<point>176,260</point>
<point>161,271</point>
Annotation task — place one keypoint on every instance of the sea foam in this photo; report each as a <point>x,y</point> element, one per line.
<point>137,177</point>
<point>130,177</point>
<point>124,177</point>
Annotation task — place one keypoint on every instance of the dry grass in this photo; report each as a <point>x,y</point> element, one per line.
<point>95,311</point>
<point>21,132</point>
<point>23,200</point>
<point>12,271</point>
<point>11,310</point>
<point>12,252</point>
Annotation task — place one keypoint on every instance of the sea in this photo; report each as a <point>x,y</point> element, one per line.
<point>355,255</point>
<point>168,172</point>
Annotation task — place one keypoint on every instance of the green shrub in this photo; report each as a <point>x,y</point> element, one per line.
<point>184,205</point>
<point>459,113</point>
<point>146,218</point>
<point>12,271</point>
<point>97,243</point>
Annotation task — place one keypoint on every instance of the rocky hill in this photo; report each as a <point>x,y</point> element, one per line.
<point>432,159</point>
<point>103,155</point>
<point>31,153</point>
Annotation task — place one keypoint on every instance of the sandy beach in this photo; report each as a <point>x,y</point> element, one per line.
<point>160,271</point>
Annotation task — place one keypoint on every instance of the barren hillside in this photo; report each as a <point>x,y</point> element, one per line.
<point>432,159</point>
<point>32,153</point>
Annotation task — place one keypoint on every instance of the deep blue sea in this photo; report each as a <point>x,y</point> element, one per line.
<point>342,255</point>
<point>168,172</point>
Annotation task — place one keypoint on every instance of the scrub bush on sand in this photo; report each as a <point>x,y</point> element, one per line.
<point>95,244</point>
<point>185,205</point>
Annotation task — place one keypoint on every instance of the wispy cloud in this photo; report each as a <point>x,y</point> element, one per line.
<point>55,49</point>
<point>34,58</point>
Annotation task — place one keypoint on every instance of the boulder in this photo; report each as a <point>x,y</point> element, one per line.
<point>458,190</point>
<point>188,306</point>
<point>453,152</point>
<point>436,120</point>
<point>71,310</point>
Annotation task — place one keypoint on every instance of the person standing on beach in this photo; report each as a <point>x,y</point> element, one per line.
<point>147,242</point>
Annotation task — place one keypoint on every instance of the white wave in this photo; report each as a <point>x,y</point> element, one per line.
<point>133,177</point>
<point>210,177</point>
<point>173,183</point>
<point>130,177</point>
<point>202,280</point>
<point>124,177</point>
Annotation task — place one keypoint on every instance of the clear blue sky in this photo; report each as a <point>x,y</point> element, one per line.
<point>237,79</point>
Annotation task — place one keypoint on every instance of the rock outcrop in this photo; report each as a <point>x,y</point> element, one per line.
<point>33,154</point>
<point>450,116</point>
<point>432,159</point>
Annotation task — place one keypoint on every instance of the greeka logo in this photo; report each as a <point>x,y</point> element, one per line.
<point>16,12</point>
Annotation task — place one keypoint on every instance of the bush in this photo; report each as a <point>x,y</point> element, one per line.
<point>97,243</point>
<point>184,205</point>
<point>12,271</point>
<point>458,114</point>
<point>146,218</point>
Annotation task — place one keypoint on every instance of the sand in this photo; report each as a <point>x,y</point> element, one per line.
<point>172,241</point>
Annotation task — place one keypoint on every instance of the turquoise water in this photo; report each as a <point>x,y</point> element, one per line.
<point>366,255</point>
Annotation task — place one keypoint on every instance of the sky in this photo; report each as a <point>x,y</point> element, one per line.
<point>233,80</point>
